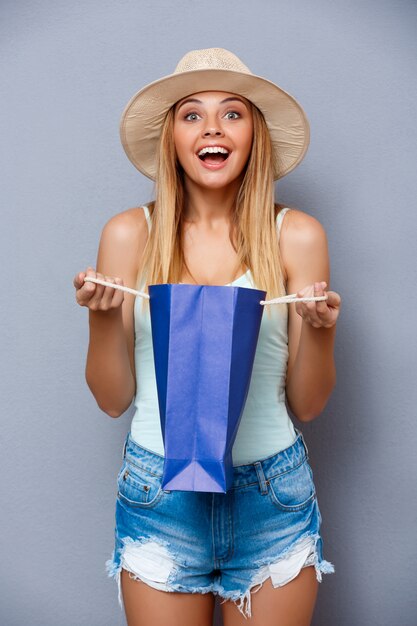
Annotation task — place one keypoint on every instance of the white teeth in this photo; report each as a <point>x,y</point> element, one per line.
<point>213,149</point>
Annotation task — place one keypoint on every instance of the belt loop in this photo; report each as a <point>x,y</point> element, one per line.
<point>124,446</point>
<point>261,477</point>
<point>304,442</point>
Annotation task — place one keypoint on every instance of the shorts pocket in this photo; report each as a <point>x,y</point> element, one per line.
<point>138,487</point>
<point>293,490</point>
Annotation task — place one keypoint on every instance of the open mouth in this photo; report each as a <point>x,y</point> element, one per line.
<point>213,156</point>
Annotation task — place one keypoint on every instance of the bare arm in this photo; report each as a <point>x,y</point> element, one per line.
<point>311,372</point>
<point>110,366</point>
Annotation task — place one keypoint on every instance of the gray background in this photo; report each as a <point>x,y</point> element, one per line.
<point>67,71</point>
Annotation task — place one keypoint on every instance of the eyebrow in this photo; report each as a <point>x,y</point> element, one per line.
<point>230,99</point>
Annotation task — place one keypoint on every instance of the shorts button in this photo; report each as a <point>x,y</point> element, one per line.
<point>146,488</point>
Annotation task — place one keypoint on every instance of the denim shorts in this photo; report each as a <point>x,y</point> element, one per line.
<point>266,525</point>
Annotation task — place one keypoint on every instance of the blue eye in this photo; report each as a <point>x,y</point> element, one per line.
<point>235,112</point>
<point>187,116</point>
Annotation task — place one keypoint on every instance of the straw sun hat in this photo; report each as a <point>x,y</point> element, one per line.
<point>219,70</point>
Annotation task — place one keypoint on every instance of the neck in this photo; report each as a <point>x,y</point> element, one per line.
<point>204,206</point>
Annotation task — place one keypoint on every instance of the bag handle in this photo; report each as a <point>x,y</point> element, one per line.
<point>282,300</point>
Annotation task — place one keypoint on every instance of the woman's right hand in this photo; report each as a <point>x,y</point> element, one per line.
<point>97,297</point>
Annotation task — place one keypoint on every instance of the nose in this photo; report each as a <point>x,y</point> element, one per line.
<point>212,131</point>
<point>212,126</point>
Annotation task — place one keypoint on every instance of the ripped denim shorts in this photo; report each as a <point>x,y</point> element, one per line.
<point>266,525</point>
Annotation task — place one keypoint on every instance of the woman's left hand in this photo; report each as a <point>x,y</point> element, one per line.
<point>322,313</point>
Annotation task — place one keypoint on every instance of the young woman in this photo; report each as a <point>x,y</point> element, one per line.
<point>214,137</point>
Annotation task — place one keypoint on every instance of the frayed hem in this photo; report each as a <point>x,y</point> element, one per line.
<point>114,565</point>
<point>320,565</point>
<point>243,600</point>
<point>324,567</point>
<point>148,561</point>
<point>113,571</point>
<point>181,589</point>
<point>316,558</point>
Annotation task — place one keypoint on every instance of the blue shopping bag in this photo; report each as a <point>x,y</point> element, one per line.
<point>204,342</point>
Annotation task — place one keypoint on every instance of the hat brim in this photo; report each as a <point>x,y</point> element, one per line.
<point>144,114</point>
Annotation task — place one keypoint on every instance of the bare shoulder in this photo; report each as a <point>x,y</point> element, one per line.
<point>122,242</point>
<point>128,228</point>
<point>302,239</point>
<point>299,225</point>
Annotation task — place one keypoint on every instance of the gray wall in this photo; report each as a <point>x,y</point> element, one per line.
<point>67,70</point>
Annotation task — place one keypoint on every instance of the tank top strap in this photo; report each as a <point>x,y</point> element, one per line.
<point>147,215</point>
<point>280,217</point>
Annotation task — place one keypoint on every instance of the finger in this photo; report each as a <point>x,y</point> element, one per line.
<point>119,295</point>
<point>116,296</point>
<point>78,280</point>
<point>304,309</point>
<point>321,305</point>
<point>334,299</point>
<point>312,308</point>
<point>108,294</point>
<point>306,291</point>
<point>86,290</point>
<point>307,310</point>
<point>88,287</point>
<point>95,301</point>
<point>300,306</point>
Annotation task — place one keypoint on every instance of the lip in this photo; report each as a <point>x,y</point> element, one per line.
<point>216,166</point>
<point>213,145</point>
<point>213,166</point>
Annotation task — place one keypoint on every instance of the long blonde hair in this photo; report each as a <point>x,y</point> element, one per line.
<point>253,220</point>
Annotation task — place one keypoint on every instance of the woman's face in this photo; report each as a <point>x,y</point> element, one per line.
<point>213,118</point>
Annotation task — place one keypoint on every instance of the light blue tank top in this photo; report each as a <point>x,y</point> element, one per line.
<point>265,427</point>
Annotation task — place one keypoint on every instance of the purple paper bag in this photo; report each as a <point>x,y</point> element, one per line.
<point>204,343</point>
